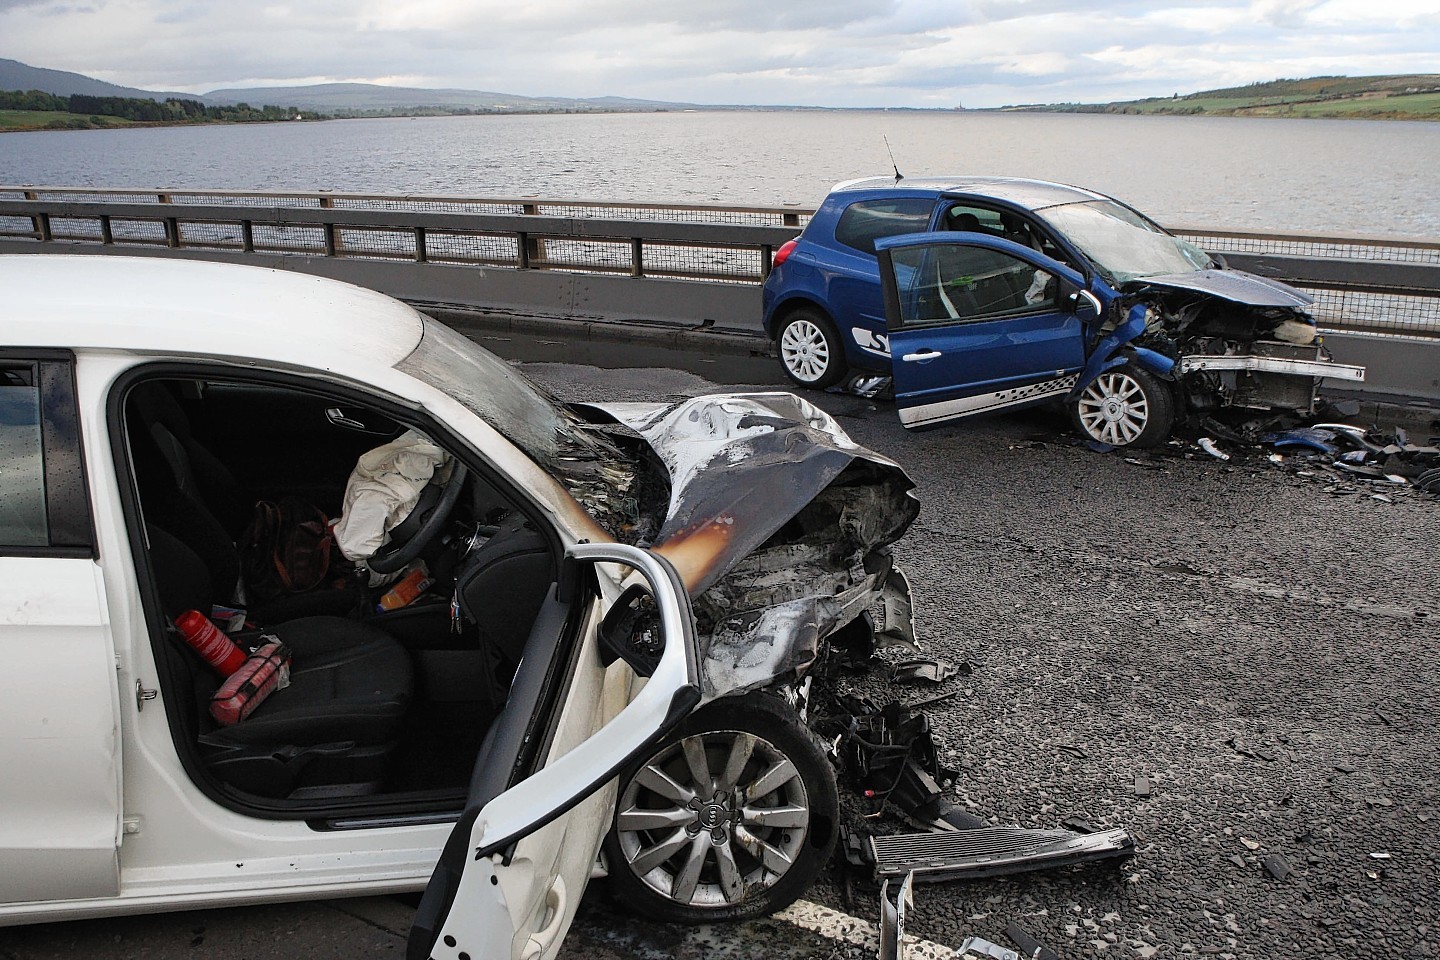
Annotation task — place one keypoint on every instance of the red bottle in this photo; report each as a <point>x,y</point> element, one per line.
<point>206,639</point>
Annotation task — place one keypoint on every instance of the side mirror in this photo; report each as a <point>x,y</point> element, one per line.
<point>1082,300</point>
<point>631,632</point>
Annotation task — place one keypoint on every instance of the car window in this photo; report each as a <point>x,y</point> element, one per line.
<point>866,221</point>
<point>1010,226</point>
<point>22,466</point>
<point>947,284</point>
<point>973,220</point>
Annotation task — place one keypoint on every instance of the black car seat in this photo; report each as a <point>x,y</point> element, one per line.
<point>330,733</point>
<point>189,493</point>
<point>500,587</point>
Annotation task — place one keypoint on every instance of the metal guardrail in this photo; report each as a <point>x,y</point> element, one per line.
<point>734,244</point>
<point>1373,284</point>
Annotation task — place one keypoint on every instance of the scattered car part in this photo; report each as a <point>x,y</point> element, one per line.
<point>1309,438</point>
<point>889,756</point>
<point>1208,445</point>
<point>870,387</point>
<point>892,917</point>
<point>924,670</point>
<point>982,949</point>
<point>1030,948</point>
<point>1277,866</point>
<point>992,852</point>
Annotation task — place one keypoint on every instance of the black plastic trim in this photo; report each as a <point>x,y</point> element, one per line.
<point>68,515</point>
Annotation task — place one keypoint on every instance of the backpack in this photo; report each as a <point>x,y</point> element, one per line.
<point>285,549</point>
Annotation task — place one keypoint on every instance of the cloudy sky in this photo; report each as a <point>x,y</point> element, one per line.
<point>919,53</point>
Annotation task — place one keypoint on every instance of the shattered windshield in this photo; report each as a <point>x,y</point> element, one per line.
<point>578,454</point>
<point>1123,244</point>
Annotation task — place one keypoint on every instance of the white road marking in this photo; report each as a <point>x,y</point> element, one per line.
<point>834,925</point>
<point>744,940</point>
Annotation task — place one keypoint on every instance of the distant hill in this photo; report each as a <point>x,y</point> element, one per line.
<point>366,97</point>
<point>345,98</point>
<point>1398,97</point>
<point>15,75</point>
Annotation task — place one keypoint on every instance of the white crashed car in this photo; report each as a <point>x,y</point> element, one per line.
<point>614,617</point>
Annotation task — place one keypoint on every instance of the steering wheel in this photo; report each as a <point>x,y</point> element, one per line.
<point>396,554</point>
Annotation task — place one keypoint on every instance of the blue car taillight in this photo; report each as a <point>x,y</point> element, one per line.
<point>783,254</point>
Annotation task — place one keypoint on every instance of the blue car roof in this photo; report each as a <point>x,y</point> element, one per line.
<point>1030,194</point>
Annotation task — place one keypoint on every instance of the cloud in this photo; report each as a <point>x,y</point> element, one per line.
<point>825,52</point>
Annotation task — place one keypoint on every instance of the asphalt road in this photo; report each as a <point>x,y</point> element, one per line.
<point>1262,651</point>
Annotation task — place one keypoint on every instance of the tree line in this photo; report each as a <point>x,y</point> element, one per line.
<point>140,109</point>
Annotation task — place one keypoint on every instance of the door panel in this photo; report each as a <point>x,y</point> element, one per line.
<point>280,441</point>
<point>59,733</point>
<point>976,324</point>
<point>510,876</point>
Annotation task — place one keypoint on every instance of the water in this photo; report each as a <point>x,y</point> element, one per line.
<point>1324,176</point>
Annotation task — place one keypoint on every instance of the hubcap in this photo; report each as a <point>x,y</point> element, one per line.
<point>804,350</point>
<point>713,818</point>
<point>1114,409</point>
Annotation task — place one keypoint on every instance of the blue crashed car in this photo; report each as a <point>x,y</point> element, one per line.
<point>985,293</point>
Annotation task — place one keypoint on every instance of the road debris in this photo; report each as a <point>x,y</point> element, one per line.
<point>1029,947</point>
<point>927,670</point>
<point>979,947</point>
<point>892,918</point>
<point>1208,445</point>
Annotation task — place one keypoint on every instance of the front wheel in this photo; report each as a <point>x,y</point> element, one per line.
<point>1125,407</point>
<point>731,817</point>
<point>810,350</point>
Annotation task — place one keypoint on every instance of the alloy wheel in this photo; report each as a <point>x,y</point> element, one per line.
<point>713,818</point>
<point>805,350</point>
<point>1114,409</point>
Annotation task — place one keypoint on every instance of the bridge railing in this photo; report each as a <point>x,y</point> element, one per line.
<point>1371,284</point>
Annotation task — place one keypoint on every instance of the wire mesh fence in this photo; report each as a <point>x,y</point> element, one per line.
<point>1319,248</point>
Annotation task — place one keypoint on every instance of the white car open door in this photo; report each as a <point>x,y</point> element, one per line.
<point>512,873</point>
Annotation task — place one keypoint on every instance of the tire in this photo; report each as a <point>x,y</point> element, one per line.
<point>810,350</point>
<point>678,857</point>
<point>1125,407</point>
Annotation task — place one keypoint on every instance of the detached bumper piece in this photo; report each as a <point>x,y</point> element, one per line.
<point>991,852</point>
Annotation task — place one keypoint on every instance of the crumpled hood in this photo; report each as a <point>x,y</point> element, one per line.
<point>741,466</point>
<point>779,524</point>
<point>1236,286</point>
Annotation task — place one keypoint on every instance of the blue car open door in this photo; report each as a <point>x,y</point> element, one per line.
<point>979,323</point>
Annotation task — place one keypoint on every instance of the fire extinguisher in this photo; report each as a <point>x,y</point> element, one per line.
<point>206,639</point>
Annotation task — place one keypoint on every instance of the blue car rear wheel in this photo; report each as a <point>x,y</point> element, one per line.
<point>810,350</point>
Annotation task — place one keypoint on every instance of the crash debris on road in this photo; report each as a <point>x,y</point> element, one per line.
<point>887,754</point>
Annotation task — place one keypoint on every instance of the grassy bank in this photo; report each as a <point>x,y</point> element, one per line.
<point>1409,97</point>
<point>11,120</point>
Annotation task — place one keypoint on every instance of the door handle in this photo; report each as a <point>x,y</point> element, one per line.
<point>548,936</point>
<point>922,355</point>
<point>341,418</point>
